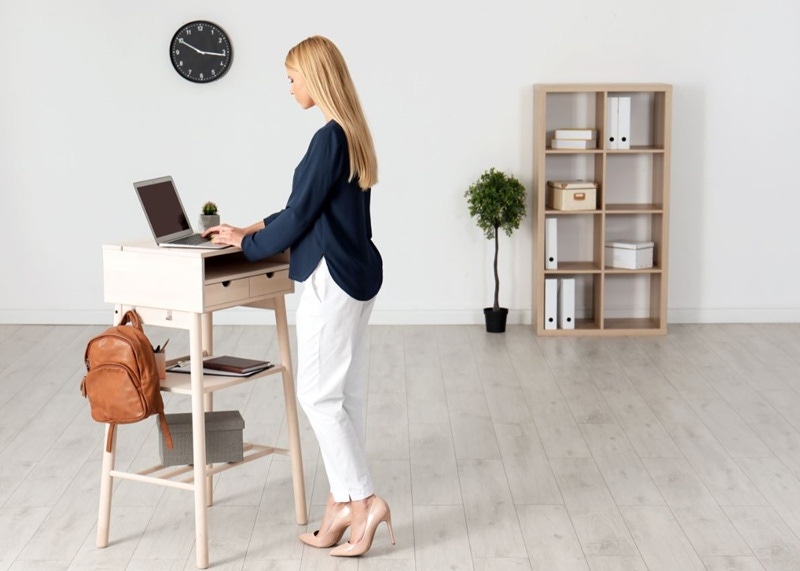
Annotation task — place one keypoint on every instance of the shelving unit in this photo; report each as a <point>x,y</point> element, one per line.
<point>633,188</point>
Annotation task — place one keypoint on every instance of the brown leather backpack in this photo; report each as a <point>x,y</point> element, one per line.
<point>122,382</point>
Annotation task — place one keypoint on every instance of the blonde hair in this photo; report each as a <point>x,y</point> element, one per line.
<point>329,84</point>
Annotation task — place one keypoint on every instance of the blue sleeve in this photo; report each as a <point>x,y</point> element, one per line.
<point>313,179</point>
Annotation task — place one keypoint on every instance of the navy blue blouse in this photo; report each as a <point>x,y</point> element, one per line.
<point>325,216</point>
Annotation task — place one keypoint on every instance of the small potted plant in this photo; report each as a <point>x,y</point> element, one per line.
<point>209,216</point>
<point>497,201</point>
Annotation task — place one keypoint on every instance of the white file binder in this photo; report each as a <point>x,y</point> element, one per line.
<point>551,243</point>
<point>612,123</point>
<point>623,122</point>
<point>566,303</point>
<point>550,303</point>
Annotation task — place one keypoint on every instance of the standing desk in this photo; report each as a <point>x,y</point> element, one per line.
<point>182,288</point>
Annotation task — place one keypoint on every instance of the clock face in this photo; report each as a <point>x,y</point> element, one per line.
<point>201,51</point>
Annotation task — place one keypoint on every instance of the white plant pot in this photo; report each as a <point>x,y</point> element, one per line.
<point>207,221</point>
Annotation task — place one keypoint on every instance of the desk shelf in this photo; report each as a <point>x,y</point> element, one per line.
<point>182,477</point>
<point>218,269</point>
<point>181,383</point>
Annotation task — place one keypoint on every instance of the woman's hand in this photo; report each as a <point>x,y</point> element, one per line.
<point>225,234</point>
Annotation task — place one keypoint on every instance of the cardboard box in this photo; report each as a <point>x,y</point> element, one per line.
<point>572,195</point>
<point>224,438</point>
<point>629,255</point>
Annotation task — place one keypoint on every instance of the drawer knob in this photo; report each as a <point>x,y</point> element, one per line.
<point>269,274</point>
<point>226,283</point>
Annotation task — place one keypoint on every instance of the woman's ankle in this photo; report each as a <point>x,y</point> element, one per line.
<point>363,502</point>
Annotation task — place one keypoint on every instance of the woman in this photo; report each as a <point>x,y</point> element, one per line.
<point>327,225</point>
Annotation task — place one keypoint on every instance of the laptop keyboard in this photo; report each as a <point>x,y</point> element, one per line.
<point>193,240</point>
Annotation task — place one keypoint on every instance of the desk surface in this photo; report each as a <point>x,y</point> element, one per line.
<point>187,279</point>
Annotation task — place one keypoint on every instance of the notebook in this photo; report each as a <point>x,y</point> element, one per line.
<point>166,216</point>
<point>235,364</point>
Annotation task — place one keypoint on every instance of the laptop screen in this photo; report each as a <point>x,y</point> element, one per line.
<point>163,208</point>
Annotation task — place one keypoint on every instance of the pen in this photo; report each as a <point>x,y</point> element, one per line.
<point>161,348</point>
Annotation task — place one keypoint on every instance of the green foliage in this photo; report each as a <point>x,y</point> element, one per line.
<point>497,201</point>
<point>209,208</point>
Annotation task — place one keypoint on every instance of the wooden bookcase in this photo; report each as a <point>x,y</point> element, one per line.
<point>632,204</point>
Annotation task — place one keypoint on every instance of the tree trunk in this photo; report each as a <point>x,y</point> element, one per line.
<point>496,275</point>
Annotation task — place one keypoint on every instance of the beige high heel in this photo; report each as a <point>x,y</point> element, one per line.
<point>378,513</point>
<point>342,516</point>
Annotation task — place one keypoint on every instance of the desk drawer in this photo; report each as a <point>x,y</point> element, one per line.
<point>225,292</point>
<point>264,284</point>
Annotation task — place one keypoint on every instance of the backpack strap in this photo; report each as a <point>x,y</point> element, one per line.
<point>162,418</point>
<point>131,317</point>
<point>111,428</point>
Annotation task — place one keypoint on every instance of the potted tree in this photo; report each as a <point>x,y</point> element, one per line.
<point>209,216</point>
<point>497,201</point>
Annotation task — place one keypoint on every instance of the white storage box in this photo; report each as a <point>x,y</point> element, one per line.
<point>629,255</point>
<point>572,195</point>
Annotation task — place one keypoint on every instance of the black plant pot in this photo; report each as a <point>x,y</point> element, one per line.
<point>495,320</point>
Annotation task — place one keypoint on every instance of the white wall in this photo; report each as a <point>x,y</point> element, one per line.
<point>89,103</point>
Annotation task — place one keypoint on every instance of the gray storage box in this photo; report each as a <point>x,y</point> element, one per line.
<point>224,440</point>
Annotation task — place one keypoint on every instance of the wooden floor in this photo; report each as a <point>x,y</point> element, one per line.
<point>495,452</point>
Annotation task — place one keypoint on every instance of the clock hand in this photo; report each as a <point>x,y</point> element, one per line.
<point>185,43</point>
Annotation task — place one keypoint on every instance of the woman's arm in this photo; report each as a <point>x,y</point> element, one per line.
<point>325,163</point>
<point>230,235</point>
<point>253,228</point>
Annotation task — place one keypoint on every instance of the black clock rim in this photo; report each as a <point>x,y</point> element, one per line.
<point>222,31</point>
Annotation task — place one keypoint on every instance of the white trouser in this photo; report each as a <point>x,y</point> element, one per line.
<point>331,380</point>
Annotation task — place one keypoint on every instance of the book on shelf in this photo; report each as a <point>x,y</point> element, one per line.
<point>573,144</point>
<point>235,364</point>
<point>584,134</point>
<point>225,366</point>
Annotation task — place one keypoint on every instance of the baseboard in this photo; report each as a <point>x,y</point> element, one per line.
<point>248,316</point>
<point>699,315</point>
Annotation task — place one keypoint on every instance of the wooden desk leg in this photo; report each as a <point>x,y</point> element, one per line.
<point>208,405</point>
<point>208,333</point>
<point>207,324</point>
<point>199,440</point>
<point>290,403</point>
<point>106,487</point>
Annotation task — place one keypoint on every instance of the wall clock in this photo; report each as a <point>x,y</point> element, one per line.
<point>201,51</point>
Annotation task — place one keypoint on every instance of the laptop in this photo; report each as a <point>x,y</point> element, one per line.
<point>166,216</point>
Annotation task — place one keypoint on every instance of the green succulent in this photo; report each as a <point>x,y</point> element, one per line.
<point>209,208</point>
